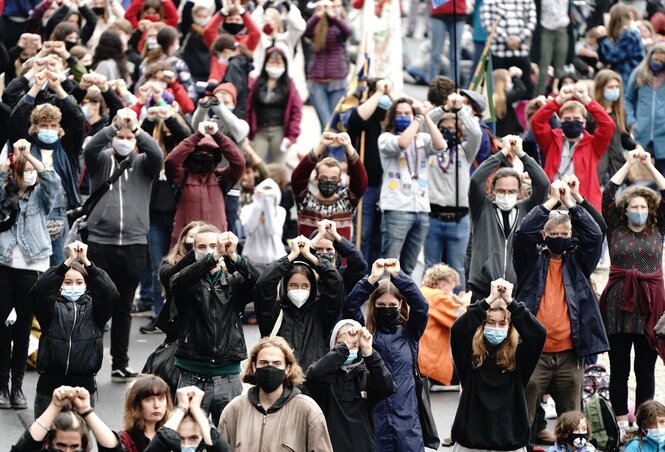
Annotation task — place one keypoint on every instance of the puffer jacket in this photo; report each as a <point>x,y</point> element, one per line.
<point>71,342</point>
<point>332,62</point>
<point>293,423</point>
<point>307,329</point>
<point>209,312</point>
<point>29,230</point>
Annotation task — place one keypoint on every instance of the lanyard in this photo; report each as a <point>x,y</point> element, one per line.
<point>439,159</point>
<point>413,173</point>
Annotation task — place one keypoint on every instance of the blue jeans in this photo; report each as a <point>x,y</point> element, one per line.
<point>370,239</point>
<point>218,391</point>
<point>439,29</point>
<point>402,236</point>
<point>324,100</point>
<point>447,242</point>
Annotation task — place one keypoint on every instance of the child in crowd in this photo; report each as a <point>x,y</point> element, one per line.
<point>650,435</point>
<point>573,433</point>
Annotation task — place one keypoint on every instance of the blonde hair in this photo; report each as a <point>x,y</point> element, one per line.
<point>603,77</point>
<point>501,77</point>
<point>643,71</point>
<point>505,352</point>
<point>572,105</point>
<point>438,273</point>
<point>294,377</point>
<point>45,112</point>
<point>178,250</point>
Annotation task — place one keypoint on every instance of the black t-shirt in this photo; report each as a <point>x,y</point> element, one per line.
<point>372,128</point>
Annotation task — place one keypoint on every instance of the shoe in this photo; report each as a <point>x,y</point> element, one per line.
<point>17,399</point>
<point>150,328</point>
<point>545,437</point>
<point>141,311</point>
<point>626,433</point>
<point>444,388</point>
<point>5,400</point>
<point>123,375</point>
<point>550,409</point>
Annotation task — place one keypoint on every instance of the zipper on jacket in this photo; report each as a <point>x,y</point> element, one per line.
<point>121,212</point>
<point>71,333</point>
<point>505,255</point>
<point>263,426</point>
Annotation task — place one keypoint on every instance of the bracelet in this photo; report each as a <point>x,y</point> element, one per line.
<point>184,410</point>
<point>86,413</point>
<point>38,422</point>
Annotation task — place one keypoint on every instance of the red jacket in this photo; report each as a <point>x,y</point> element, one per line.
<point>250,40</point>
<point>201,197</point>
<point>179,95</point>
<point>587,152</point>
<point>447,9</point>
<point>170,13</point>
<point>292,114</point>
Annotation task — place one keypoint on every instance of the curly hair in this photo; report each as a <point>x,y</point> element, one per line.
<point>45,112</point>
<point>652,198</point>
<point>440,272</point>
<point>439,89</point>
<point>567,423</point>
<point>110,47</point>
<point>505,352</point>
<point>294,376</point>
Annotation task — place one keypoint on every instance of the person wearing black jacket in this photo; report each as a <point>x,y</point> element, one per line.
<point>72,302</point>
<point>210,295</point>
<point>330,245</point>
<point>304,310</point>
<point>347,384</point>
<point>495,347</point>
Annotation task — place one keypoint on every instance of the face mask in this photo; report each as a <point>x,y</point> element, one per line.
<point>572,129</point>
<point>578,440</point>
<point>327,188</point>
<point>69,45</point>
<point>269,378</point>
<point>611,95</point>
<point>86,112</point>
<point>655,66</point>
<point>123,147</point>
<point>656,434</point>
<point>188,448</point>
<point>221,59</point>
<point>47,136</point>
<point>201,21</point>
<point>449,136</point>
<point>386,316</point>
<point>402,122</point>
<point>98,10</point>
<point>637,218</point>
<point>557,245</point>
<point>189,246</point>
<point>72,293</point>
<point>330,257</point>
<point>298,296</point>
<point>385,102</point>
<point>267,29</point>
<point>151,43</point>
<point>505,202</point>
<point>495,335</point>
<point>274,72</point>
<point>29,178</point>
<point>152,17</point>
<point>233,29</point>
<point>353,354</point>
<point>202,254</point>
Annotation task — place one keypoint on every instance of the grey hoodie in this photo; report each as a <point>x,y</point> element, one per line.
<point>122,216</point>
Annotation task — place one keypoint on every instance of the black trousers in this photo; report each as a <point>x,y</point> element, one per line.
<point>124,265</point>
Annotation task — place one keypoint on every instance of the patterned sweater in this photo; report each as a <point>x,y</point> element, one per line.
<point>340,208</point>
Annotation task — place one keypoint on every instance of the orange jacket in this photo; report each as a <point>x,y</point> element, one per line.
<point>434,358</point>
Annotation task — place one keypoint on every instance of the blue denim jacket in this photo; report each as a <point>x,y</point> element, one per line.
<point>29,230</point>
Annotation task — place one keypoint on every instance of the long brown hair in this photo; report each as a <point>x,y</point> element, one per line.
<point>385,287</point>
<point>389,125</point>
<point>647,416</point>
<point>320,34</point>
<point>505,352</point>
<point>620,17</point>
<point>652,198</point>
<point>178,250</point>
<point>143,387</point>
<point>603,77</point>
<point>501,77</point>
<point>19,168</point>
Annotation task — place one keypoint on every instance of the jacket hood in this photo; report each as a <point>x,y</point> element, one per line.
<point>288,394</point>
<point>311,275</point>
<point>272,187</point>
<point>340,324</point>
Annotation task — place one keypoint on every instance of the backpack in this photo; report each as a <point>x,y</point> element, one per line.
<point>596,380</point>
<point>603,423</point>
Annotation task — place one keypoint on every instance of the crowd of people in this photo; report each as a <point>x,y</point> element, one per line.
<point>145,168</point>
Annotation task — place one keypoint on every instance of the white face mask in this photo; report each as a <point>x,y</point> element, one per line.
<point>202,21</point>
<point>275,72</point>
<point>29,178</point>
<point>505,202</point>
<point>123,147</point>
<point>200,254</point>
<point>298,296</point>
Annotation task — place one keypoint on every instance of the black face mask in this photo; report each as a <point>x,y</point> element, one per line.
<point>98,10</point>
<point>557,245</point>
<point>572,129</point>
<point>386,316</point>
<point>200,162</point>
<point>69,45</point>
<point>327,188</point>
<point>269,378</point>
<point>233,29</point>
<point>189,246</point>
<point>330,257</point>
<point>578,440</point>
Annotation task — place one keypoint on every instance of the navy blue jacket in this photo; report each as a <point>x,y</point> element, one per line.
<point>396,420</point>
<point>531,261</point>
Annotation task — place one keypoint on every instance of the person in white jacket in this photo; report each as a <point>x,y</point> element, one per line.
<point>263,221</point>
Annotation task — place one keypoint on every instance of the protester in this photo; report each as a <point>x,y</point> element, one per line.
<point>72,323</point>
<point>396,316</point>
<point>634,298</point>
<point>620,45</point>
<point>30,190</point>
<point>274,412</point>
<point>650,418</point>
<point>573,433</point>
<point>495,345</point>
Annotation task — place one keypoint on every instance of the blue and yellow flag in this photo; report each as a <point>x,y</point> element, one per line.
<point>356,93</point>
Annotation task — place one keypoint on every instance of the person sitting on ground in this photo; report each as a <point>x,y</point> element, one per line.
<point>650,418</point>
<point>573,433</point>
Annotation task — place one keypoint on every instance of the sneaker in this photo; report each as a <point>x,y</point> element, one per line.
<point>150,328</point>
<point>444,388</point>
<point>141,311</point>
<point>123,375</point>
<point>550,409</point>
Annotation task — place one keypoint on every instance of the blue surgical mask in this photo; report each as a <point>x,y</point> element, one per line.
<point>655,66</point>
<point>353,354</point>
<point>402,122</point>
<point>656,434</point>
<point>385,102</point>
<point>637,218</point>
<point>188,448</point>
<point>47,136</point>
<point>495,335</point>
<point>611,95</point>
<point>72,293</point>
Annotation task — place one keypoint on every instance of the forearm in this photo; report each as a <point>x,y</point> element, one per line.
<point>620,175</point>
<point>103,434</point>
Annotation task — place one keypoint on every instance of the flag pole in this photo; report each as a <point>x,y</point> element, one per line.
<point>361,154</point>
<point>476,73</point>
